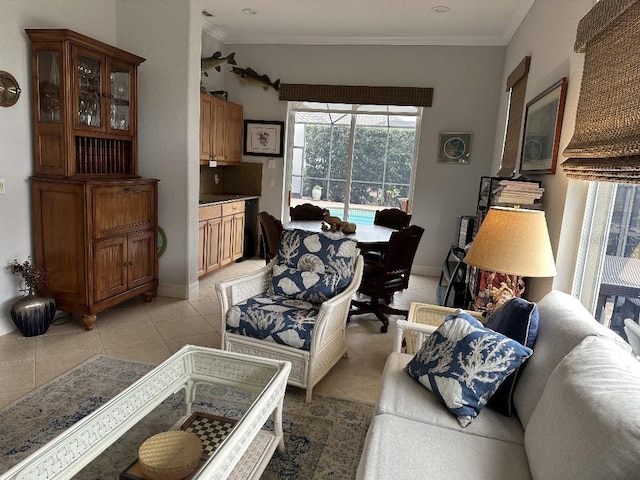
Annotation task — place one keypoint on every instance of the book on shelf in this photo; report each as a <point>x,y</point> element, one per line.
<point>517,193</point>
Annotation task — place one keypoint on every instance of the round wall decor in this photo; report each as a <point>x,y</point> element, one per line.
<point>9,89</point>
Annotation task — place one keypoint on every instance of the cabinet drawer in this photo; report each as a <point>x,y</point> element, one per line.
<point>210,211</point>
<point>123,208</point>
<point>232,208</point>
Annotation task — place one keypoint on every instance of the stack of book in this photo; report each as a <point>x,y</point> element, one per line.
<point>510,192</point>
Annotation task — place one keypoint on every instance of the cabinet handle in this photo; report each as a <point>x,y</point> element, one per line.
<point>127,189</point>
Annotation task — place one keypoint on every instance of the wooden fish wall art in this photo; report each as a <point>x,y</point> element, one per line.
<point>249,75</point>
<point>215,60</point>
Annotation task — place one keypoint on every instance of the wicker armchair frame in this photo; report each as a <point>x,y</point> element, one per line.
<point>328,342</point>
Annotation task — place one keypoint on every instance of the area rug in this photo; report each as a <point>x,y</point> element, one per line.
<point>323,439</point>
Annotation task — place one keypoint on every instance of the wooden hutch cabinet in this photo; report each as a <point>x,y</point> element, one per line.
<point>95,218</point>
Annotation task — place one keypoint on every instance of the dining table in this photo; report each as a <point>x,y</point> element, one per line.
<point>369,237</point>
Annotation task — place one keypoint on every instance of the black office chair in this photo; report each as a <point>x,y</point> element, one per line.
<point>307,211</point>
<point>271,229</point>
<point>382,279</point>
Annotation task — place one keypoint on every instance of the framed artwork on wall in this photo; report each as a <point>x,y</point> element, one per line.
<point>542,127</point>
<point>263,138</point>
<point>454,147</point>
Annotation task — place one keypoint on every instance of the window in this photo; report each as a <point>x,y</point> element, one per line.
<point>609,279</point>
<point>352,159</point>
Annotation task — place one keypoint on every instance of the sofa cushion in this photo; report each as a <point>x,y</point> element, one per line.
<point>401,395</point>
<point>310,286</point>
<point>587,422</point>
<point>398,448</point>
<point>318,252</point>
<point>463,363</point>
<point>517,319</point>
<point>562,324</point>
<point>313,266</point>
<point>275,318</point>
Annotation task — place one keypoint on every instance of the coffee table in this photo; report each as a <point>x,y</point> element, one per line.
<point>188,368</point>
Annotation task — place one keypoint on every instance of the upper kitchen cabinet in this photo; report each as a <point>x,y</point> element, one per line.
<point>220,131</point>
<point>84,105</point>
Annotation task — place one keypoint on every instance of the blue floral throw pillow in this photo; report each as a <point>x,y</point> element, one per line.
<point>313,266</point>
<point>463,363</point>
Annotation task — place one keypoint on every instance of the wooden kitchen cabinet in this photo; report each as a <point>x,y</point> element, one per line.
<point>232,242</point>
<point>209,235</point>
<point>220,235</point>
<point>220,131</point>
<point>94,217</point>
<point>233,133</point>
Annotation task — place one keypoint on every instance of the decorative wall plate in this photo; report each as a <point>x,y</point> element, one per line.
<point>9,89</point>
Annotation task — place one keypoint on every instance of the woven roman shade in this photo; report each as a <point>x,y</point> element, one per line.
<point>357,95</point>
<point>606,141</point>
<point>517,83</point>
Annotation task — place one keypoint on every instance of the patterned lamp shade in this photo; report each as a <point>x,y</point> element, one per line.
<point>513,241</point>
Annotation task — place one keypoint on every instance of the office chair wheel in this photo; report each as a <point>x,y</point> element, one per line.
<point>383,329</point>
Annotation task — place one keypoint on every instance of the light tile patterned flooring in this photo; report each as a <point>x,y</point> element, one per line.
<point>151,332</point>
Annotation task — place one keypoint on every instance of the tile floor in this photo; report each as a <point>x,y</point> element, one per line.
<point>151,332</point>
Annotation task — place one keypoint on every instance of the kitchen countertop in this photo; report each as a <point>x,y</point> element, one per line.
<point>212,199</point>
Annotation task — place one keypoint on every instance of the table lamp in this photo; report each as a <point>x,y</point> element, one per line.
<point>514,242</point>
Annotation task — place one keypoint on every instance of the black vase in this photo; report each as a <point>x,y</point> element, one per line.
<point>33,313</point>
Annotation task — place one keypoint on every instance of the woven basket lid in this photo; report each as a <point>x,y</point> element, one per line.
<point>170,455</point>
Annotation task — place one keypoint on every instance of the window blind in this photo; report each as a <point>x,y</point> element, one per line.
<point>606,141</point>
<point>357,95</point>
<point>517,83</point>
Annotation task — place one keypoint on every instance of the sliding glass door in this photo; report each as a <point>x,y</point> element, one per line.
<point>352,159</point>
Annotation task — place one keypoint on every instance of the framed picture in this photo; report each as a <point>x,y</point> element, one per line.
<point>542,127</point>
<point>263,138</point>
<point>454,147</point>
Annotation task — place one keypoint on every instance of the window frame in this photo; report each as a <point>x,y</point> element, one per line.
<point>355,109</point>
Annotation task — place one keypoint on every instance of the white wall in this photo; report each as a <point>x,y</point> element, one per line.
<point>97,19</point>
<point>466,82</point>
<point>167,33</point>
<point>552,58</point>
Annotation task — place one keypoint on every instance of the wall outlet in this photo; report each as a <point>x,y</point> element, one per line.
<point>1,185</point>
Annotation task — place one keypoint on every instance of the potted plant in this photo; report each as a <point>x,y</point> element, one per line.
<point>316,192</point>
<point>32,314</point>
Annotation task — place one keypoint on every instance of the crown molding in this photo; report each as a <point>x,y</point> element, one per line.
<point>307,40</point>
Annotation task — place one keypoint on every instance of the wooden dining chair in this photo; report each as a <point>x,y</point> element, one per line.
<point>307,211</point>
<point>392,218</point>
<point>271,230</point>
<point>382,279</point>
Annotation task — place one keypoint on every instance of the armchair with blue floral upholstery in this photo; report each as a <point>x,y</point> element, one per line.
<point>296,307</point>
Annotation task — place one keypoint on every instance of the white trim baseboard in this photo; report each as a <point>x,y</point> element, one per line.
<point>426,271</point>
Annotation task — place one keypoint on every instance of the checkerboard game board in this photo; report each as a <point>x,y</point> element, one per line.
<point>211,430</point>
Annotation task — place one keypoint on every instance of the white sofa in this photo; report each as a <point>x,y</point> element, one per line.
<point>577,403</point>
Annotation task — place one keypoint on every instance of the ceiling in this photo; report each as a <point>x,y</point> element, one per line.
<point>364,22</point>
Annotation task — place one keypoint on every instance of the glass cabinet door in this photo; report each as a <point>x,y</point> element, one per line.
<point>120,105</point>
<point>88,81</point>
<point>49,100</point>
